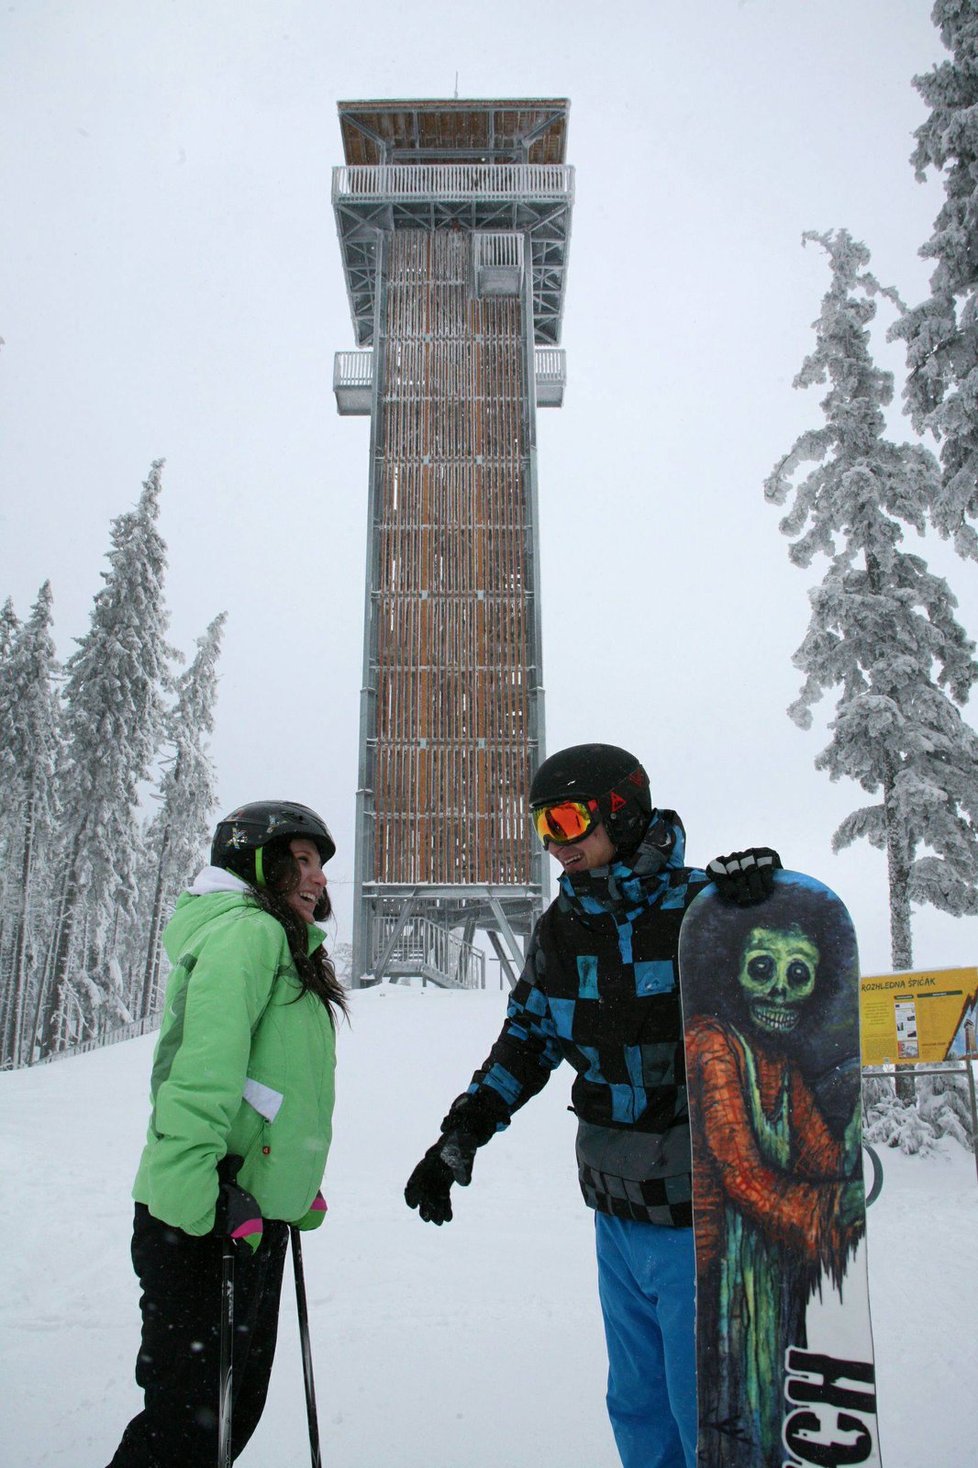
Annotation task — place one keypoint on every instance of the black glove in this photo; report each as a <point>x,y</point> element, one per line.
<point>237,1215</point>
<point>471,1121</point>
<point>745,877</point>
<point>429,1188</point>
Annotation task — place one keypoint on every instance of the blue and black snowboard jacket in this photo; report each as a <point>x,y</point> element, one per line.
<point>600,988</point>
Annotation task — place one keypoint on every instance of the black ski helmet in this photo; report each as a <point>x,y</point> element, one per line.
<point>604,773</point>
<point>250,827</point>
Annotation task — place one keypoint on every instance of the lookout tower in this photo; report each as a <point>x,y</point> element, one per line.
<point>453,220</point>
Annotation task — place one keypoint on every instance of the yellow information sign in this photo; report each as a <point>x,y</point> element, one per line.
<point>924,1016</point>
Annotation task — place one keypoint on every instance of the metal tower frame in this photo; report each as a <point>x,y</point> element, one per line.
<point>453,220</point>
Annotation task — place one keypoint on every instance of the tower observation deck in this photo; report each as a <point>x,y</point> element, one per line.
<point>453,220</point>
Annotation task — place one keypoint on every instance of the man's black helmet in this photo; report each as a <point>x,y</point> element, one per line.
<point>250,827</point>
<point>601,772</point>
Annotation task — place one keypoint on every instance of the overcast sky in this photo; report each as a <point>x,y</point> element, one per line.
<point>170,287</point>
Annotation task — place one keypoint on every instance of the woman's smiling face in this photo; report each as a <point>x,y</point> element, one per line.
<point>312,879</point>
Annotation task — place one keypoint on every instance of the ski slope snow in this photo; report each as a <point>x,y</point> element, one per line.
<point>467,1346</point>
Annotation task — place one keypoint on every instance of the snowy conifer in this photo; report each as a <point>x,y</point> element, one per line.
<point>342,956</point>
<point>891,1122</point>
<point>177,838</point>
<point>936,1105</point>
<point>30,744</point>
<point>9,624</point>
<point>882,628</point>
<point>942,1099</point>
<point>113,722</point>
<point>942,332</point>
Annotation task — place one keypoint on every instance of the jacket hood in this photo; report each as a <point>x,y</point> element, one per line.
<point>633,880</point>
<point>216,879</point>
<point>213,895</point>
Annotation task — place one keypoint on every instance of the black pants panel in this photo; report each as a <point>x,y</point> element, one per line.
<point>178,1366</point>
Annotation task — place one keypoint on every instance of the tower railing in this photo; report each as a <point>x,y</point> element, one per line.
<point>453,181</point>
<point>353,369</point>
<point>550,371</point>
<point>426,950</point>
<point>353,379</point>
<point>497,250</point>
<point>497,262</point>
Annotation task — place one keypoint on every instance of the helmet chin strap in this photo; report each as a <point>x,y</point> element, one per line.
<point>259,868</point>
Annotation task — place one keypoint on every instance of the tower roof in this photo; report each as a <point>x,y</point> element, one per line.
<point>525,130</point>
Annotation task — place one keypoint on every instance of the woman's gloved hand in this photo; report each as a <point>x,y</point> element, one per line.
<point>237,1216</point>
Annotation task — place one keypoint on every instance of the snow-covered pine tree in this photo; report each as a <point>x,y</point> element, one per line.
<point>942,332</point>
<point>9,622</point>
<point>177,837</point>
<point>892,1122</point>
<point>113,725</point>
<point>30,742</point>
<point>882,628</point>
<point>876,1089</point>
<point>342,956</point>
<point>943,1101</point>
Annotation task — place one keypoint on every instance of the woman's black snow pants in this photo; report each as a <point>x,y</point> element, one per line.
<point>178,1366</point>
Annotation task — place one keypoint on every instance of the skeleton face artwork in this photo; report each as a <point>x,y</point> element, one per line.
<point>777,976</point>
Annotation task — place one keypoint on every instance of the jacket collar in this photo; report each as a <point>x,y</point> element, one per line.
<point>219,879</point>
<point>633,881</point>
<point>216,879</point>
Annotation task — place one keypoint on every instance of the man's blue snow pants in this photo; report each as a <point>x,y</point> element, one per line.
<point>646,1282</point>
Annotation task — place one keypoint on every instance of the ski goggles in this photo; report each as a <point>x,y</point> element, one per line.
<point>566,821</point>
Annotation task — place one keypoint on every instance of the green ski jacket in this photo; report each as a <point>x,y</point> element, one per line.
<point>244,1064</point>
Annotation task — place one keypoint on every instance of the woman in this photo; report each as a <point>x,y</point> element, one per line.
<point>242,1097</point>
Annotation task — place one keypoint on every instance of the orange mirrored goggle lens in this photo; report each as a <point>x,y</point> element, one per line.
<point>569,820</point>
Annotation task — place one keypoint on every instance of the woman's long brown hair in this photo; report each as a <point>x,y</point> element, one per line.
<point>317,974</point>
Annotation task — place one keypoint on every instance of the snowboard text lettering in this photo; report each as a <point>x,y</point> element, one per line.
<point>822,1431</point>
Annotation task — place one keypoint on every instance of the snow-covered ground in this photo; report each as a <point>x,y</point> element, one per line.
<point>462,1347</point>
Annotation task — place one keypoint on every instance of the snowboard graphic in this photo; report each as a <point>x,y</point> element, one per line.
<point>770,994</point>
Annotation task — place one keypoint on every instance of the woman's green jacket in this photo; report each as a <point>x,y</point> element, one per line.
<point>244,1065</point>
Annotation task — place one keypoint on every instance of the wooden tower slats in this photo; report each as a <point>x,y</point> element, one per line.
<point>452,732</point>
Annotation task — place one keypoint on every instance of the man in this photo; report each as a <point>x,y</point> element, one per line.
<point>600,989</point>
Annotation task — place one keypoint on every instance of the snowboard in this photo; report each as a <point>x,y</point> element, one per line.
<point>784,1345</point>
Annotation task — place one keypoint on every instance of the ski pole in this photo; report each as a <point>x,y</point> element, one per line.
<point>300,1300</point>
<point>227,1339</point>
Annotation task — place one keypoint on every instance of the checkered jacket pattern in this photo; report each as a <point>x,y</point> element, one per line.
<point>600,989</point>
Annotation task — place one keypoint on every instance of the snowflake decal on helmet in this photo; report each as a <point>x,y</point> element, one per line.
<point>238,838</point>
